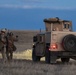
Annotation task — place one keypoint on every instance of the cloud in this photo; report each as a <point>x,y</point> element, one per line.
<point>43,4</point>
<point>35,6</point>
<point>15,6</point>
<point>33,0</point>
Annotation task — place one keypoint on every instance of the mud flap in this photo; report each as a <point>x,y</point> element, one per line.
<point>53,58</point>
<point>47,56</point>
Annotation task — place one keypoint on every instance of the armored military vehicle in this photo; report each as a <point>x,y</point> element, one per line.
<point>58,41</point>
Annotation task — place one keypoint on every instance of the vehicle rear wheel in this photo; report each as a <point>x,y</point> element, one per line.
<point>65,60</point>
<point>34,57</point>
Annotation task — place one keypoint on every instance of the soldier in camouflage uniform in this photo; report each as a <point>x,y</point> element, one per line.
<point>10,47</point>
<point>3,43</point>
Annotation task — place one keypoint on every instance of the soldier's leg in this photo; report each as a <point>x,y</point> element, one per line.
<point>3,52</point>
<point>11,55</point>
<point>7,54</point>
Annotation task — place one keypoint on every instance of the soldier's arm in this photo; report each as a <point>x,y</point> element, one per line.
<point>3,39</point>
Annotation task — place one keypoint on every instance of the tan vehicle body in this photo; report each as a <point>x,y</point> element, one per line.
<point>52,43</point>
<point>57,37</point>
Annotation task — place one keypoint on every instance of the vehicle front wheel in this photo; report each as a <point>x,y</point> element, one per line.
<point>34,57</point>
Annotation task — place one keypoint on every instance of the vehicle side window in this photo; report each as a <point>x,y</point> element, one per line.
<point>41,39</point>
<point>66,26</point>
<point>35,39</point>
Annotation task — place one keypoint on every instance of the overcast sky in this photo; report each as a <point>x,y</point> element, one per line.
<point>51,4</point>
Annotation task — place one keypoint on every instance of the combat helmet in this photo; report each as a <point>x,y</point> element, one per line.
<point>3,30</point>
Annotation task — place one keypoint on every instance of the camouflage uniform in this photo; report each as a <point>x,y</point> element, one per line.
<point>10,47</point>
<point>3,43</point>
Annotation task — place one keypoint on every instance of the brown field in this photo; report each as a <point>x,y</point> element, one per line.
<point>23,65</point>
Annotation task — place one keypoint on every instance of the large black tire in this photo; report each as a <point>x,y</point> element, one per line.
<point>65,60</point>
<point>47,56</point>
<point>34,57</point>
<point>69,42</point>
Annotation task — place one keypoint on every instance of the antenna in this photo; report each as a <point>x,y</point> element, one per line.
<point>40,29</point>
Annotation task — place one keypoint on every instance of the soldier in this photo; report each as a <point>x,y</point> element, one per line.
<point>10,47</point>
<point>3,43</point>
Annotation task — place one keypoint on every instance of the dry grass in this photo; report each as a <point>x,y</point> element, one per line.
<point>26,54</point>
<point>27,67</point>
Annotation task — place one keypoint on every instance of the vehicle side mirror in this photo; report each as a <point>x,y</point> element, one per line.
<point>35,39</point>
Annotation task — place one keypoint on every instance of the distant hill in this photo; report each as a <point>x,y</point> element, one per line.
<point>25,39</point>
